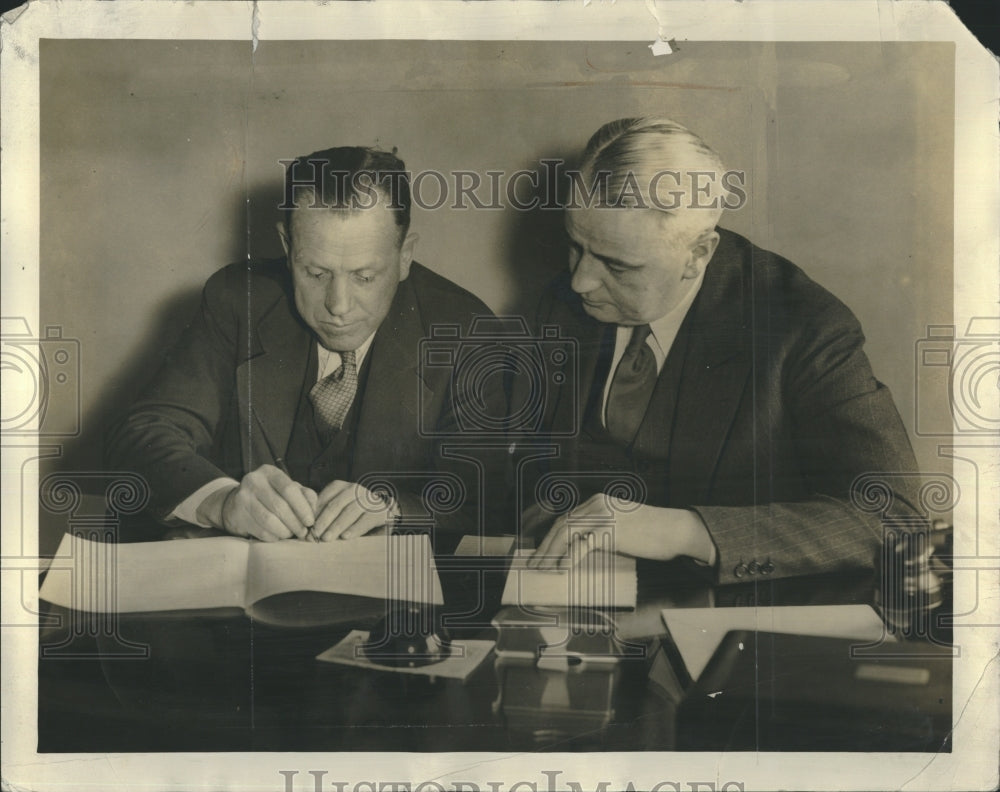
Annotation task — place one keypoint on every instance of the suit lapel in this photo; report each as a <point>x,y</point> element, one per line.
<point>715,374</point>
<point>389,421</point>
<point>269,383</point>
<point>582,347</point>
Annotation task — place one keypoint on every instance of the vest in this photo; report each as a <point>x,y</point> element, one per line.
<point>307,459</point>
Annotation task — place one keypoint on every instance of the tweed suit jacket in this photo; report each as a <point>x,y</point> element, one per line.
<point>766,419</point>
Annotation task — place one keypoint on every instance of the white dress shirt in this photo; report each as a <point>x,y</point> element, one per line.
<point>187,510</point>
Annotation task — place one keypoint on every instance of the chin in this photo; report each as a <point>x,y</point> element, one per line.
<point>340,342</point>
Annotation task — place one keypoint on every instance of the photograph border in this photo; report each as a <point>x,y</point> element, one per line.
<point>972,763</point>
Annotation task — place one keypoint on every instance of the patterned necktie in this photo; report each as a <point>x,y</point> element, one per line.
<point>332,396</point>
<point>631,387</point>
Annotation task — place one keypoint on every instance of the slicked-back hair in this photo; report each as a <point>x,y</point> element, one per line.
<point>347,178</point>
<point>640,148</point>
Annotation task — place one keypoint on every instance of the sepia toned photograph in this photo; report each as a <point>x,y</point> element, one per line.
<point>596,409</point>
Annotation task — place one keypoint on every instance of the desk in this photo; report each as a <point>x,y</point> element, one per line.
<point>220,681</point>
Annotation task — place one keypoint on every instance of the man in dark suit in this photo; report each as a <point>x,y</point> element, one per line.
<point>297,386</point>
<point>719,376</point>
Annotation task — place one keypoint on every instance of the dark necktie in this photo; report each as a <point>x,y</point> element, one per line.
<point>631,387</point>
<point>332,396</point>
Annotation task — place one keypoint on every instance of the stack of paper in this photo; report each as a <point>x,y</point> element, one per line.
<point>600,580</point>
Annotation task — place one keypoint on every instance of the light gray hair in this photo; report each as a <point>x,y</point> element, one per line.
<point>647,152</point>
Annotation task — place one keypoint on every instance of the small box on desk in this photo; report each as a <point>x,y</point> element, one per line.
<point>560,672</point>
<point>777,692</point>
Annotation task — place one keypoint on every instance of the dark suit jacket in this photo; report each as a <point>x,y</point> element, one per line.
<point>224,400</point>
<point>765,414</point>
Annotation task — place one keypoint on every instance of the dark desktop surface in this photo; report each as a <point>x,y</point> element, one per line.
<point>219,680</point>
<point>774,692</point>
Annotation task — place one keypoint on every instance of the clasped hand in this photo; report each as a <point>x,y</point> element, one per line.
<point>268,505</point>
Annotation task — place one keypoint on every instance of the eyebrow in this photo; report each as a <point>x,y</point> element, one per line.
<point>312,265</point>
<point>606,259</point>
<point>615,261</point>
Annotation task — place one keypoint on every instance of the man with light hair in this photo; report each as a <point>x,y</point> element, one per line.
<point>718,376</point>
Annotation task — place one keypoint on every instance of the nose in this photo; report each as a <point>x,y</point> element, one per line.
<point>338,297</point>
<point>585,275</point>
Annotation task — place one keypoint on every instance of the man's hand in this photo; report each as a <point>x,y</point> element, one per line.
<point>266,505</point>
<point>625,527</point>
<point>346,511</point>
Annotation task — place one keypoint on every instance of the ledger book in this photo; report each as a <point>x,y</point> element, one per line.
<point>228,571</point>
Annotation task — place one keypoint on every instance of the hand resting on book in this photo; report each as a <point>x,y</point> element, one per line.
<point>603,522</point>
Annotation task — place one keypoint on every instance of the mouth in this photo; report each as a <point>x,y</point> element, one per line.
<point>338,327</point>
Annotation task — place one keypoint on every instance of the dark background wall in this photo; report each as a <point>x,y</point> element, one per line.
<point>160,164</point>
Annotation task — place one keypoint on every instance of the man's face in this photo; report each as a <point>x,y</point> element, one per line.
<point>631,266</point>
<point>346,266</point>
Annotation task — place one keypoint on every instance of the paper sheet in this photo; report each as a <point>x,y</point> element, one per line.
<point>485,546</point>
<point>697,632</point>
<point>600,580</point>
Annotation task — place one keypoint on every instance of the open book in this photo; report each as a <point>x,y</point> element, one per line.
<point>228,571</point>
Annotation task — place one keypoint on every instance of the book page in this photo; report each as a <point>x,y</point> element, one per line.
<point>600,580</point>
<point>485,546</point>
<point>697,632</point>
<point>147,576</point>
<point>383,567</point>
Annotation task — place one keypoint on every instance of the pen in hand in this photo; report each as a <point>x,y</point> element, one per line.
<point>279,462</point>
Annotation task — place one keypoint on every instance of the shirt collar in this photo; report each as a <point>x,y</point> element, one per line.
<point>664,330</point>
<point>329,361</point>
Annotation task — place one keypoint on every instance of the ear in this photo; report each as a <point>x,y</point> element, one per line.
<point>701,253</point>
<point>406,254</point>
<point>286,243</point>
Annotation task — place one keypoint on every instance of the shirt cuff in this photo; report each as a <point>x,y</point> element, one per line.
<point>711,561</point>
<point>714,552</point>
<point>187,509</point>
